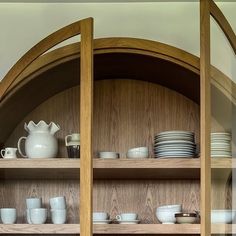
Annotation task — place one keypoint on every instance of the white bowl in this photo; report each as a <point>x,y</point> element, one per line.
<point>166,217</point>
<point>176,207</point>
<point>137,154</point>
<point>186,218</point>
<point>108,155</point>
<point>222,216</point>
<point>139,149</point>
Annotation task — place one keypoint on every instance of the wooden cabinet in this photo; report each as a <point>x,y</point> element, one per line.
<point>140,88</point>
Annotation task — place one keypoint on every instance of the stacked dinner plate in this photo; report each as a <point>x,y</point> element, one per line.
<point>221,144</point>
<point>174,144</point>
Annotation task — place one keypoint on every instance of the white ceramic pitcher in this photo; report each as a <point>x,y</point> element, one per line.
<point>41,142</point>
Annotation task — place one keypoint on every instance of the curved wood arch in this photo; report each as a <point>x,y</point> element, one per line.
<point>223,23</point>
<point>40,48</point>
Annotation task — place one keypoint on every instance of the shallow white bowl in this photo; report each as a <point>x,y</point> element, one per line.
<point>222,216</point>
<point>136,154</point>
<point>108,155</point>
<point>138,149</point>
<point>176,207</point>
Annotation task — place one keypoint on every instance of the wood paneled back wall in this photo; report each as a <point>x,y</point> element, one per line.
<point>127,113</point>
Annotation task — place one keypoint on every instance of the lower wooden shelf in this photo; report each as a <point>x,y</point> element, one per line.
<point>101,229</point>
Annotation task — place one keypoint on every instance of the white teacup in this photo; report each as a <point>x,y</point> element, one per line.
<point>127,216</point>
<point>33,202</point>
<point>100,216</point>
<point>8,215</point>
<point>58,202</point>
<point>38,215</point>
<point>9,153</point>
<point>58,216</point>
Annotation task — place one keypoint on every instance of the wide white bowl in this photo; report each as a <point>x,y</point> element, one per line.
<point>176,207</point>
<point>222,216</point>
<point>100,216</point>
<point>139,149</point>
<point>137,154</point>
<point>166,214</point>
<point>108,155</point>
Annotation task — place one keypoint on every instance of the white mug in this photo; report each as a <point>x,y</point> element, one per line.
<point>58,202</point>
<point>8,215</point>
<point>37,215</point>
<point>72,139</point>
<point>127,216</point>
<point>9,152</point>
<point>58,216</point>
<point>32,203</point>
<point>100,216</point>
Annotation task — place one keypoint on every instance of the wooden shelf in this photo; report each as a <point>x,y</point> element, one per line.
<point>100,229</point>
<point>54,168</point>
<point>66,168</point>
<point>223,228</point>
<point>151,168</point>
<point>39,229</point>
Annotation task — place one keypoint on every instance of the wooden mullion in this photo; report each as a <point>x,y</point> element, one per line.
<point>205,117</point>
<point>86,118</point>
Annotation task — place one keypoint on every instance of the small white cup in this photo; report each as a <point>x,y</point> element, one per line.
<point>33,203</point>
<point>38,215</point>
<point>8,215</point>
<point>9,153</point>
<point>127,216</point>
<point>100,216</point>
<point>58,203</point>
<point>58,216</point>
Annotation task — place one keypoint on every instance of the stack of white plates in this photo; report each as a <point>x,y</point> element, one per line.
<point>221,144</point>
<point>174,144</point>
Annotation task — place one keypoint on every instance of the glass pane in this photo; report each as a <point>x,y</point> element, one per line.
<point>223,135</point>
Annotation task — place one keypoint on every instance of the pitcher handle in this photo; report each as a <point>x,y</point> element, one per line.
<point>66,139</point>
<point>3,150</point>
<point>18,145</point>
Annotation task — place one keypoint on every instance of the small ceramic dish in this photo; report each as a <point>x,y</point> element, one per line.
<point>108,155</point>
<point>186,218</point>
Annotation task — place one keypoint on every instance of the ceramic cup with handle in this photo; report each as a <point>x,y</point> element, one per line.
<point>38,215</point>
<point>58,202</point>
<point>72,142</point>
<point>30,204</point>
<point>8,215</point>
<point>9,152</point>
<point>127,217</point>
<point>58,216</point>
<point>100,216</point>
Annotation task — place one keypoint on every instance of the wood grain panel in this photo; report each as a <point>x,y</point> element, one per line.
<point>127,113</point>
<point>144,196</point>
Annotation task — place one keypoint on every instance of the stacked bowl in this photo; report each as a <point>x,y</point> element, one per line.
<point>166,214</point>
<point>221,144</point>
<point>136,153</point>
<point>174,144</point>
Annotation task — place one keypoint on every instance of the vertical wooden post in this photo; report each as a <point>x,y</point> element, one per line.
<point>205,117</point>
<point>86,119</point>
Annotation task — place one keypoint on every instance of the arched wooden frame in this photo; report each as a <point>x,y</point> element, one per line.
<point>85,29</point>
<point>208,8</point>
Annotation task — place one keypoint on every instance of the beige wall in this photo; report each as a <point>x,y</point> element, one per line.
<point>176,23</point>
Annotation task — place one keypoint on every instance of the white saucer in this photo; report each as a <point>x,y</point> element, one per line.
<point>101,222</point>
<point>128,221</point>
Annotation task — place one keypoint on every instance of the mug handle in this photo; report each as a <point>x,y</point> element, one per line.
<point>66,139</point>
<point>3,150</point>
<point>28,216</point>
<point>118,217</point>
<point>18,145</point>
